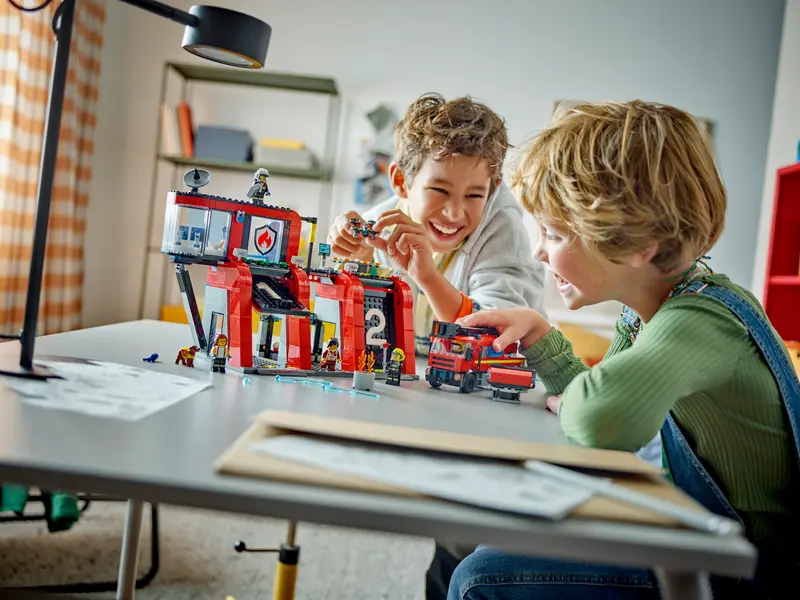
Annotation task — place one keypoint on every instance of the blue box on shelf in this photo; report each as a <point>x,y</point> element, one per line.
<point>223,143</point>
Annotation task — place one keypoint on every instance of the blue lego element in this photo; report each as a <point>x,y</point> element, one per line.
<point>151,359</point>
<point>326,386</point>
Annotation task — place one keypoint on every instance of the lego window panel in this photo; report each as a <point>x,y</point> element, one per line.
<point>219,226</point>
<point>184,230</point>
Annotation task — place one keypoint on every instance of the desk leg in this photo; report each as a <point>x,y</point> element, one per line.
<point>683,586</point>
<point>129,556</point>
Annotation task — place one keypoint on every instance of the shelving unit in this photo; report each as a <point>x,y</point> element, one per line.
<point>782,288</point>
<point>189,73</point>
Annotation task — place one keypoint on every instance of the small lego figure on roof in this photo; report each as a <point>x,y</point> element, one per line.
<point>186,356</point>
<point>220,353</point>
<point>331,355</point>
<point>395,367</point>
<point>260,187</point>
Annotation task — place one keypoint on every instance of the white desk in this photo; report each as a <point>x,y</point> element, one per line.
<point>167,458</point>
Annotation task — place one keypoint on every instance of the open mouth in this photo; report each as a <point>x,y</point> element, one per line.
<point>562,284</point>
<point>444,232</point>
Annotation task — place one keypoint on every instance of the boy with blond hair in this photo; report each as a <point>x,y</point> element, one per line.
<point>628,201</point>
<point>452,226</point>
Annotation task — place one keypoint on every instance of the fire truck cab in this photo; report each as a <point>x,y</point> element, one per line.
<point>462,356</point>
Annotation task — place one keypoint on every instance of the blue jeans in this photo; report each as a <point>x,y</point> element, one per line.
<point>489,574</point>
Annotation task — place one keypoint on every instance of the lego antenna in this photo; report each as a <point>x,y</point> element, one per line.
<point>196,178</point>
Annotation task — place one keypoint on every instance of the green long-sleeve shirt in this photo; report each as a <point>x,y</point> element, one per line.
<point>696,359</point>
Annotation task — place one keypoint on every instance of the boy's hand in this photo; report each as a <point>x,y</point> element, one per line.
<point>523,324</point>
<point>342,240</point>
<point>552,403</point>
<point>407,245</point>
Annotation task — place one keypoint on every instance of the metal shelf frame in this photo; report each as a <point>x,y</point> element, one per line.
<point>189,73</point>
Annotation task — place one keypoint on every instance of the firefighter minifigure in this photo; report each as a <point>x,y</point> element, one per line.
<point>219,353</point>
<point>395,367</point>
<point>331,355</point>
<point>260,187</point>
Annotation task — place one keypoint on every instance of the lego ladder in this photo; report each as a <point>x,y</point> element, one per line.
<point>190,306</point>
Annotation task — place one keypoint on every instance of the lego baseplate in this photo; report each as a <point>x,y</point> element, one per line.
<point>313,373</point>
<point>379,376</point>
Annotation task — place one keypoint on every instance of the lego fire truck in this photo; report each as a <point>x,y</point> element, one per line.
<point>463,357</point>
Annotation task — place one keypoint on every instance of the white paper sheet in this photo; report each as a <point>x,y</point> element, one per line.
<point>105,389</point>
<point>484,483</point>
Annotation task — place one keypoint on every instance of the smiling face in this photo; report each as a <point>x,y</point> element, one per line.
<point>582,277</point>
<point>446,196</point>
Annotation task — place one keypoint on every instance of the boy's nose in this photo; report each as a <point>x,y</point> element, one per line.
<point>453,211</point>
<point>539,253</point>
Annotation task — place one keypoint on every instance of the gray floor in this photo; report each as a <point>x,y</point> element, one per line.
<point>198,560</point>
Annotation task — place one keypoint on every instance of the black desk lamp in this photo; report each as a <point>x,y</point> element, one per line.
<point>216,34</point>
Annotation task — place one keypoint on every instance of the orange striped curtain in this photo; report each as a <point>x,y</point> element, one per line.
<point>27,44</point>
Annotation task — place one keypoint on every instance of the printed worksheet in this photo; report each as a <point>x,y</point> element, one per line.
<point>479,482</point>
<point>105,389</point>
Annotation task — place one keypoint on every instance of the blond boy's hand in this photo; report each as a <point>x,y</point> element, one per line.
<point>514,324</point>
<point>343,241</point>
<point>407,245</point>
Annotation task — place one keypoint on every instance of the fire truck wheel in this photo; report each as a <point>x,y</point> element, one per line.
<point>468,383</point>
<point>435,384</point>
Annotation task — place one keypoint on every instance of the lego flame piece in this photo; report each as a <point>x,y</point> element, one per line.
<point>265,239</point>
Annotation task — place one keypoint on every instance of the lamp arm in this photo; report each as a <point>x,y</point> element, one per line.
<point>166,11</point>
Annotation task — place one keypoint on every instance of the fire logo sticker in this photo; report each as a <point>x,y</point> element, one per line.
<point>264,238</point>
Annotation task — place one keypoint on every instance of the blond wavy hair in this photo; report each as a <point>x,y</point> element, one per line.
<point>436,128</point>
<point>622,175</point>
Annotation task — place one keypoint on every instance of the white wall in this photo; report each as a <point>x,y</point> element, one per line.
<point>716,59</point>
<point>785,132</point>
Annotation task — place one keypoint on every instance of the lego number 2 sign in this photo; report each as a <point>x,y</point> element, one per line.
<point>378,325</point>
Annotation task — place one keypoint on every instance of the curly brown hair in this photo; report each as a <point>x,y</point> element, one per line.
<point>436,128</point>
<point>621,175</point>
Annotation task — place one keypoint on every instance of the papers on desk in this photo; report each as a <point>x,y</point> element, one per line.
<point>479,482</point>
<point>104,389</point>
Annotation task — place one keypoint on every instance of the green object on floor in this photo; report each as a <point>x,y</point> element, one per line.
<point>60,509</point>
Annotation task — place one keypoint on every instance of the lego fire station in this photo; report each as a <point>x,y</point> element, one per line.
<point>256,277</point>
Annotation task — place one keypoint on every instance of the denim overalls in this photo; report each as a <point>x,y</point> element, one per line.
<point>692,477</point>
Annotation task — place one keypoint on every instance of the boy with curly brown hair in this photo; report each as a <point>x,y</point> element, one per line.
<point>628,200</point>
<point>452,226</point>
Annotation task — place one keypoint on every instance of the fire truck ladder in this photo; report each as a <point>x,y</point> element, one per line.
<point>451,330</point>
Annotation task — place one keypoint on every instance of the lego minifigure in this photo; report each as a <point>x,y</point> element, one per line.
<point>219,353</point>
<point>186,356</point>
<point>151,359</point>
<point>260,187</point>
<point>331,355</point>
<point>395,367</point>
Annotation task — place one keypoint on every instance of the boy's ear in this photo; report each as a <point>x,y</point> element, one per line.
<point>643,257</point>
<point>397,180</point>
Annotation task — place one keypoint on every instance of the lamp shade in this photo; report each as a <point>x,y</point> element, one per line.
<point>228,37</point>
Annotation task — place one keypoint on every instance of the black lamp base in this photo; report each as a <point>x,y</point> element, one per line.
<point>10,367</point>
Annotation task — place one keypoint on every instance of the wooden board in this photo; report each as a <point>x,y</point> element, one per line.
<point>240,460</point>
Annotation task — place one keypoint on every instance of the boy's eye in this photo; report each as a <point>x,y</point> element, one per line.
<point>476,196</point>
<point>438,190</point>
<point>552,237</point>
